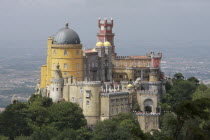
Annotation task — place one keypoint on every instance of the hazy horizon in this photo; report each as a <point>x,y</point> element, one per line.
<point>147,24</point>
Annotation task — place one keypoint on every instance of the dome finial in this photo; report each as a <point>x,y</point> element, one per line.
<point>67,25</point>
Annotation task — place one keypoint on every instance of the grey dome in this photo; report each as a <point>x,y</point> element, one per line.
<point>66,36</point>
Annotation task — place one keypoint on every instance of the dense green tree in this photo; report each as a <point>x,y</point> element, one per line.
<point>184,122</point>
<point>180,91</point>
<point>65,115</point>
<point>178,76</point>
<point>123,126</point>
<point>71,134</point>
<point>193,79</point>
<point>13,121</point>
<point>202,91</point>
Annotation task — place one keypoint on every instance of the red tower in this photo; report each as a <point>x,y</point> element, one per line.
<point>105,32</point>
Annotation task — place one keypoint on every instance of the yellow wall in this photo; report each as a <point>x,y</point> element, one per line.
<point>48,78</point>
<point>73,59</point>
<point>43,76</point>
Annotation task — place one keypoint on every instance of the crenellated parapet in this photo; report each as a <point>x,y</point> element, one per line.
<point>146,114</point>
<point>86,83</point>
<point>147,92</point>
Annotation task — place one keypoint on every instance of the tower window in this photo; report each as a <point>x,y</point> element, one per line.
<point>65,66</point>
<point>54,52</point>
<point>65,52</point>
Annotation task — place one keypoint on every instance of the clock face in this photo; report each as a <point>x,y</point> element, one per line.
<point>102,27</point>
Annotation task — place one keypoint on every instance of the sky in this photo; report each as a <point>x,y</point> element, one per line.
<point>137,23</point>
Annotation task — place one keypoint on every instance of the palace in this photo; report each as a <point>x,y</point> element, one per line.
<point>102,83</point>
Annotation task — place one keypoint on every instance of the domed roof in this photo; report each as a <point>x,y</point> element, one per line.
<point>66,36</point>
<point>129,86</point>
<point>107,44</point>
<point>99,44</point>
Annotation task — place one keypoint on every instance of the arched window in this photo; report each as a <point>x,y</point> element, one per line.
<point>65,52</point>
<point>148,106</point>
<point>65,66</point>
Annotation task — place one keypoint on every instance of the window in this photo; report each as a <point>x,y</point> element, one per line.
<point>73,99</point>
<point>77,73</point>
<point>108,28</point>
<point>81,90</point>
<point>77,52</point>
<point>93,64</point>
<point>64,73</point>
<point>77,65</point>
<point>96,64</point>
<point>87,102</point>
<point>139,64</point>
<point>65,52</point>
<point>56,89</point>
<point>54,52</point>
<point>65,66</point>
<point>148,64</point>
<point>125,63</point>
<point>87,93</point>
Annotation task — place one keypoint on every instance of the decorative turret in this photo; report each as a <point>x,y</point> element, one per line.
<point>105,33</point>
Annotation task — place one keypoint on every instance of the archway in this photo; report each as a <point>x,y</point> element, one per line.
<point>148,106</point>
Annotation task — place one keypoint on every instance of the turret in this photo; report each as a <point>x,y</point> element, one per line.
<point>56,87</point>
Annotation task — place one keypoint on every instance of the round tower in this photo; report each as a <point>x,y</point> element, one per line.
<point>56,87</point>
<point>67,51</point>
<point>91,102</point>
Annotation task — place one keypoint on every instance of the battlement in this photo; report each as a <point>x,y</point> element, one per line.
<point>151,83</point>
<point>147,92</point>
<point>86,83</point>
<point>114,94</point>
<point>146,114</point>
<point>124,82</point>
<point>105,22</point>
<point>153,55</point>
